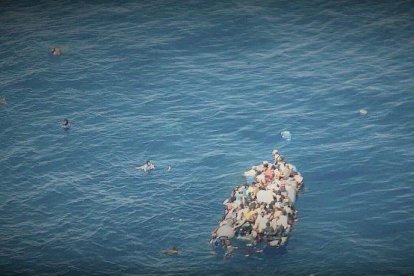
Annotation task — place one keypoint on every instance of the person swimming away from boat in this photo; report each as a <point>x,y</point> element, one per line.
<point>170,251</point>
<point>65,124</point>
<point>148,166</point>
<point>56,51</point>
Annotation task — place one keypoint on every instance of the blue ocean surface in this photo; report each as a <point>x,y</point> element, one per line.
<point>205,87</point>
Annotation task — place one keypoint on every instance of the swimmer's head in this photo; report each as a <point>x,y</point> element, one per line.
<point>65,124</point>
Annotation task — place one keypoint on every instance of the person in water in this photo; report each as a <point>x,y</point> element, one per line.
<point>170,251</point>
<point>56,51</point>
<point>2,101</point>
<point>148,166</point>
<point>65,124</point>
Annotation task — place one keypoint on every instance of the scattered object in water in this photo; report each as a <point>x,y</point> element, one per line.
<point>363,111</point>
<point>55,51</point>
<point>286,135</point>
<point>228,247</point>
<point>2,101</point>
<point>65,124</point>
<point>148,166</point>
<point>261,213</point>
<point>170,251</point>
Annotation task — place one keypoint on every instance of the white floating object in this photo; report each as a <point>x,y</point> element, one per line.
<point>286,135</point>
<point>363,111</point>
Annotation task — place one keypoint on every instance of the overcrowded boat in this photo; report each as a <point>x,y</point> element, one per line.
<point>261,211</point>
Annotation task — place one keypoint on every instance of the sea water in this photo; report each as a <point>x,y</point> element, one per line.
<point>205,87</point>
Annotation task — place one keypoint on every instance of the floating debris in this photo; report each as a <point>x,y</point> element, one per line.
<point>363,111</point>
<point>262,210</point>
<point>286,135</point>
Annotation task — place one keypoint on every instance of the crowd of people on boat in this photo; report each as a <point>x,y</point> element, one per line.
<point>262,210</point>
